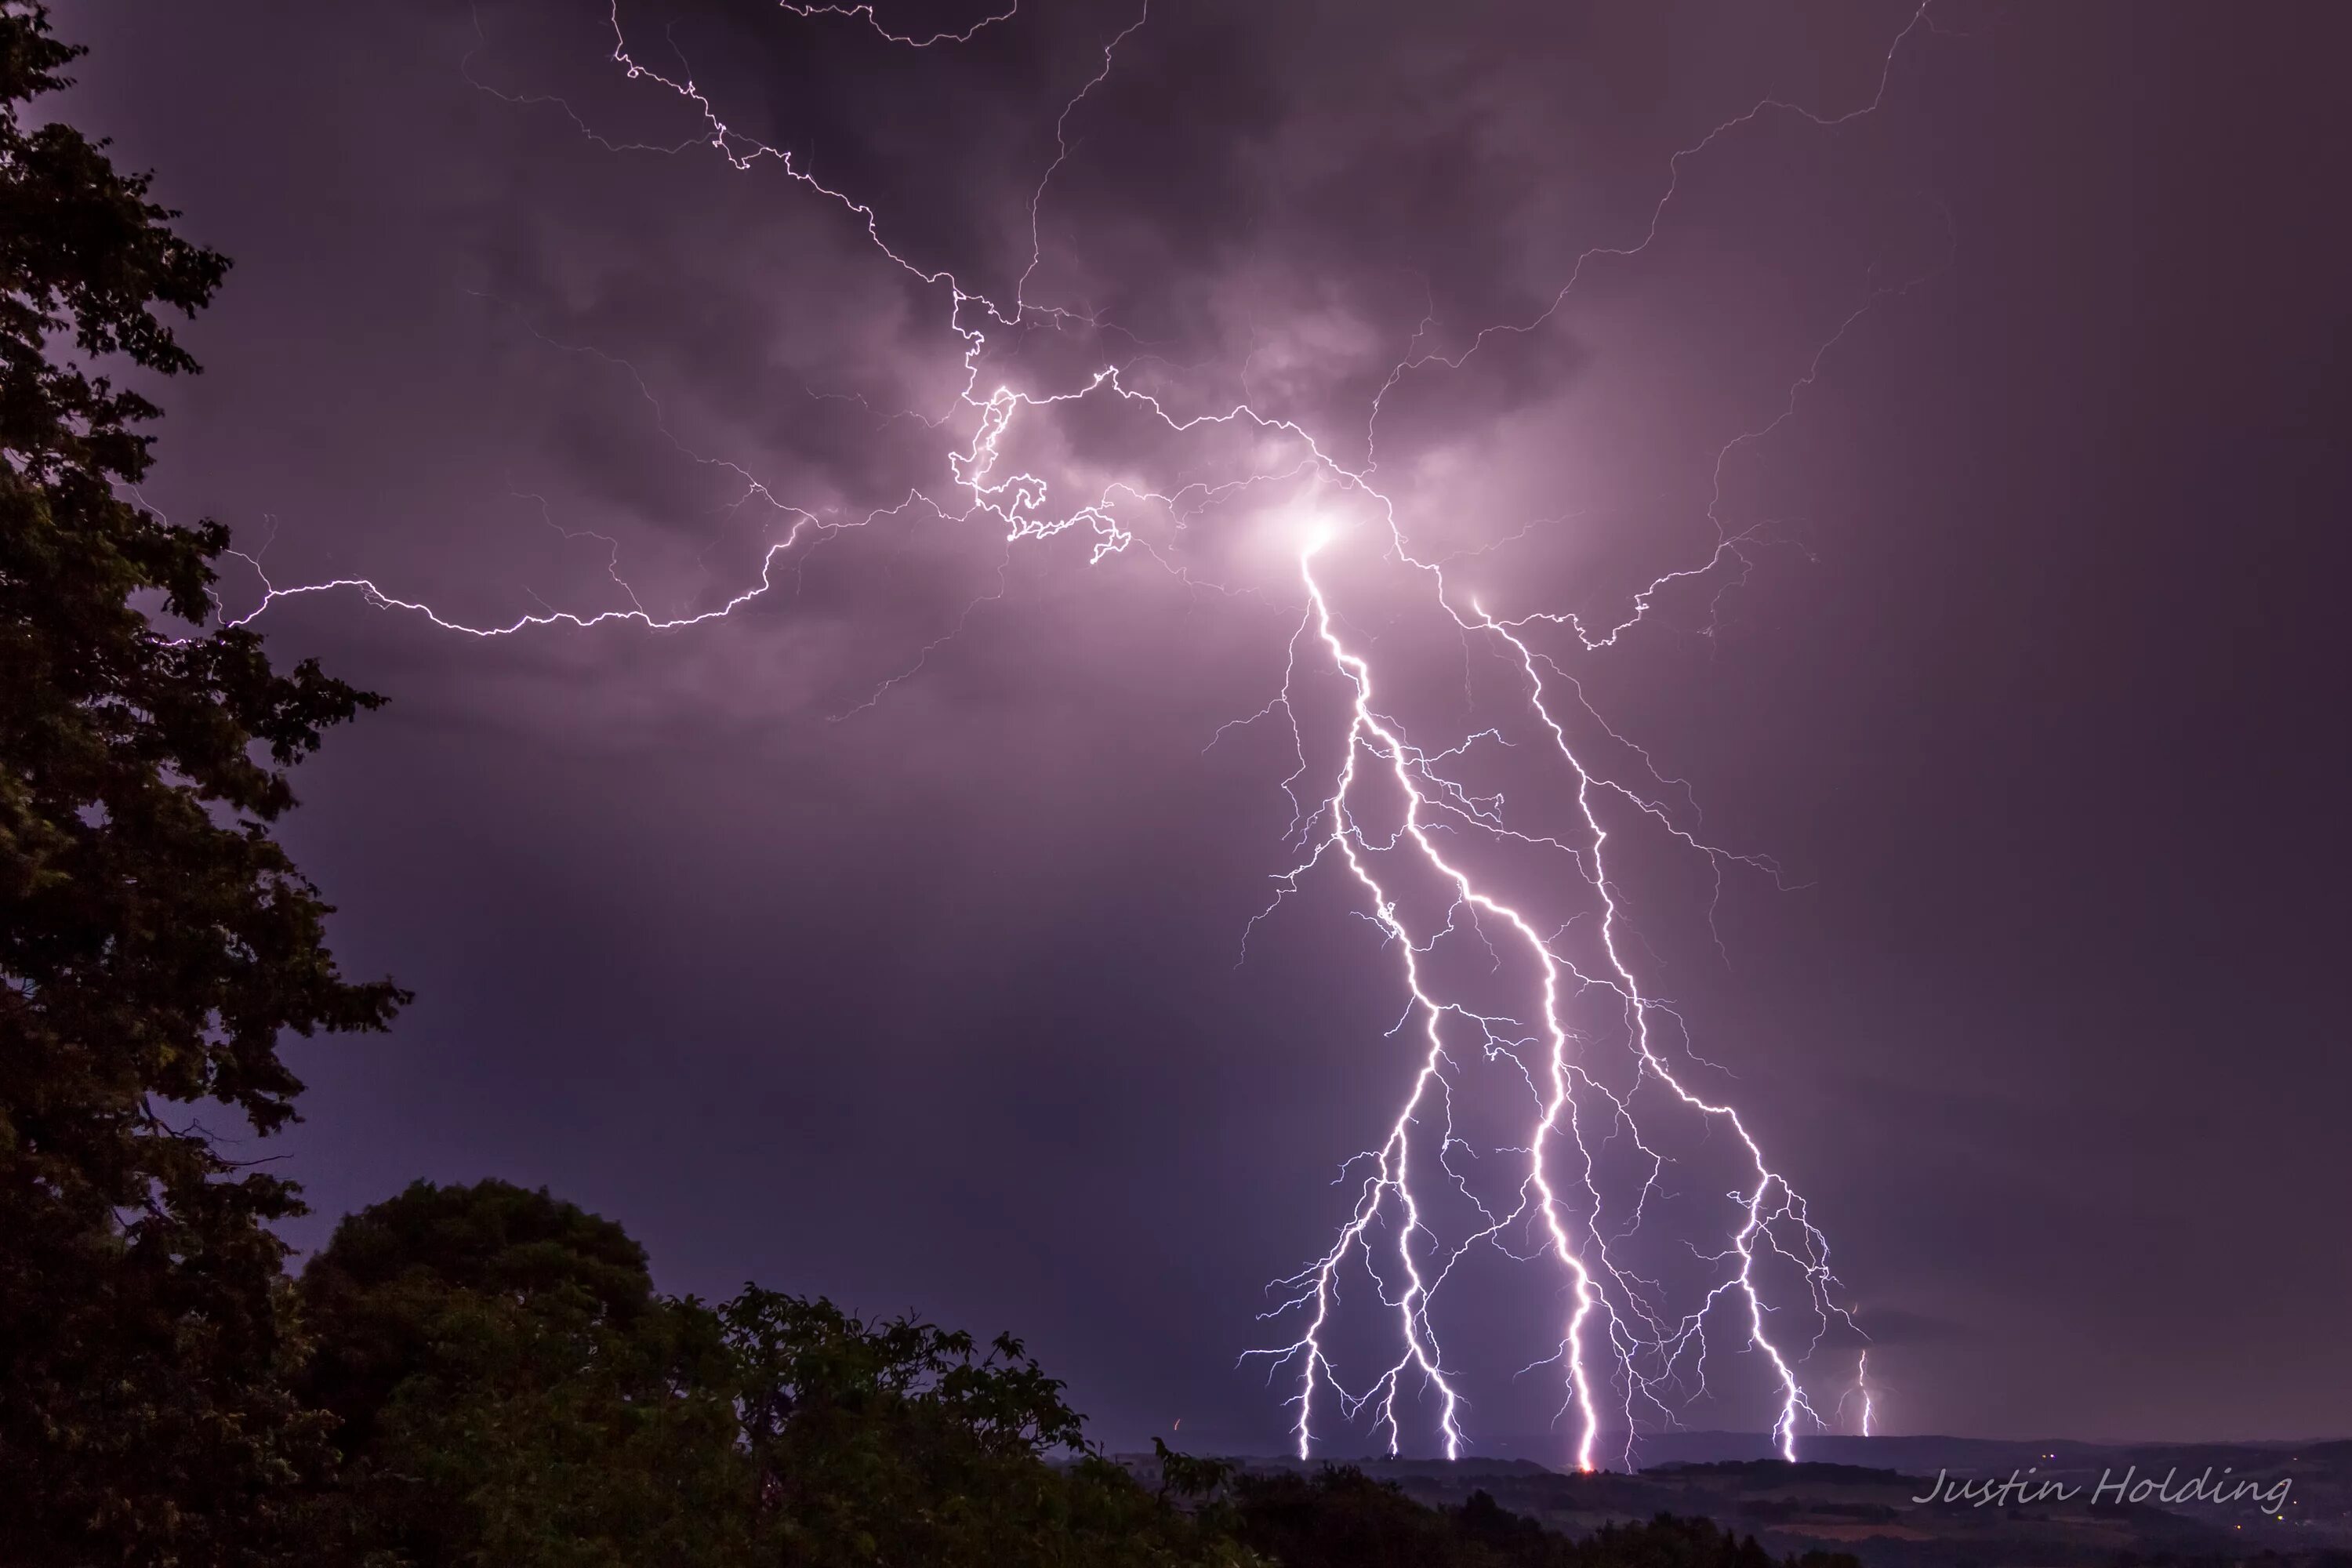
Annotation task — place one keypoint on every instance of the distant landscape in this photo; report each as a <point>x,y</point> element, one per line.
<point>1858,1495</point>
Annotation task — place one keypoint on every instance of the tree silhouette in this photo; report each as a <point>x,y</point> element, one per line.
<point>509,1389</point>
<point>154,939</point>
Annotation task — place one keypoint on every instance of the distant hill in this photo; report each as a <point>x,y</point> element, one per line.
<point>1863,1496</point>
<point>1926,1455</point>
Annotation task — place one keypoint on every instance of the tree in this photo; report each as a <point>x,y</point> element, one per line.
<point>894,1441</point>
<point>156,942</point>
<point>511,1391</point>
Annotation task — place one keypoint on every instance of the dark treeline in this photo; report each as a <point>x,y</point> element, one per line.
<point>508,1387</point>
<point>465,1375</point>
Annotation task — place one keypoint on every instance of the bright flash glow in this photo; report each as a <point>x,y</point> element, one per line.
<point>1395,812</point>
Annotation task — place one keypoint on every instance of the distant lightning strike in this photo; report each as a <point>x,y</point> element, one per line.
<point>1622,1352</point>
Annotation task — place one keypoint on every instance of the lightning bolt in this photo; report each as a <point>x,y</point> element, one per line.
<point>1394,817</point>
<point>1610,1303</point>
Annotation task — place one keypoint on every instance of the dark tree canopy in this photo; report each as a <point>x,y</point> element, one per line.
<point>512,1391</point>
<point>895,1441</point>
<point>382,1296</point>
<point>156,942</point>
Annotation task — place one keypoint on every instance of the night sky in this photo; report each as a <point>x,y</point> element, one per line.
<point>922,993</point>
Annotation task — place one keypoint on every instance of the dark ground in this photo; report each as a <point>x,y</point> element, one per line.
<point>1861,1495</point>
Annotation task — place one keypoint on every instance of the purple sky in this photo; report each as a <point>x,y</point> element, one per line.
<point>935,1005</point>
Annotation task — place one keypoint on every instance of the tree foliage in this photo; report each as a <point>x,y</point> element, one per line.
<point>508,1390</point>
<point>894,1441</point>
<point>511,1391</point>
<point>154,939</point>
